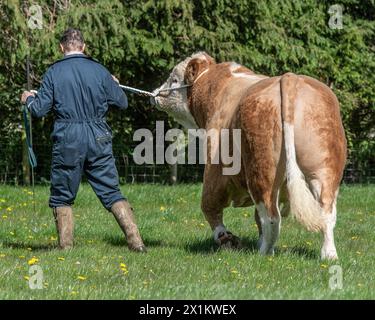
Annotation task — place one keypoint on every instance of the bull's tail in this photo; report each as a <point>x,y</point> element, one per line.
<point>303,205</point>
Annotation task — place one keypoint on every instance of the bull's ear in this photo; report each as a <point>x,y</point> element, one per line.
<point>194,68</point>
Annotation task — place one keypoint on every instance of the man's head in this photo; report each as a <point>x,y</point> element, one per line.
<point>72,40</point>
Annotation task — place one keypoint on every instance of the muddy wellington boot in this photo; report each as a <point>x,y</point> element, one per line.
<point>64,225</point>
<point>125,218</point>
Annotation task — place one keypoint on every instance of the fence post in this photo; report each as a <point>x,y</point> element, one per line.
<point>173,173</point>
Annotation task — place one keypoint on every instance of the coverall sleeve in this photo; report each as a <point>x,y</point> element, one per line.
<point>42,103</point>
<point>115,95</point>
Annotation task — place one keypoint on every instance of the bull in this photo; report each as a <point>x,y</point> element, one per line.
<point>293,146</point>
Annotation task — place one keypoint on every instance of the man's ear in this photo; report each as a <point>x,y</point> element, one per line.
<point>194,68</point>
<point>61,48</point>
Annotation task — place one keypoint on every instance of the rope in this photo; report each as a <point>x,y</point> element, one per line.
<point>137,91</point>
<point>150,94</point>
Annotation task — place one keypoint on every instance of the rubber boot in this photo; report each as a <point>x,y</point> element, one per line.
<point>125,218</point>
<point>64,225</point>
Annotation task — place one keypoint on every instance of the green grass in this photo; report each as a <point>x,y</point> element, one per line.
<point>182,262</point>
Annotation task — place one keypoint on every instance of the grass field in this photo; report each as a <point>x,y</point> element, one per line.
<point>182,262</point>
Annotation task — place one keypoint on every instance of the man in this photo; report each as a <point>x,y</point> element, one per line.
<point>80,90</point>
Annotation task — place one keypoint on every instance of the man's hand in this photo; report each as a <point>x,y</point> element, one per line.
<point>25,95</point>
<point>114,78</point>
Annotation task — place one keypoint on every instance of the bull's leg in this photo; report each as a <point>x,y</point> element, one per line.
<point>215,198</point>
<point>329,249</point>
<point>322,191</point>
<point>270,224</point>
<point>222,236</point>
<point>259,225</point>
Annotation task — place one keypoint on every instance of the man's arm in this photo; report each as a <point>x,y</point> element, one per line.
<point>115,95</point>
<point>41,103</point>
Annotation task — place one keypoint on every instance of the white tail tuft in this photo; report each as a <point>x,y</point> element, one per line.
<point>303,206</point>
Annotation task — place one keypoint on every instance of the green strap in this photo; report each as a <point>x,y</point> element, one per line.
<point>32,158</point>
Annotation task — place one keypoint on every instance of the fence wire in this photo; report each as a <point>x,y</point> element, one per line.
<point>129,172</point>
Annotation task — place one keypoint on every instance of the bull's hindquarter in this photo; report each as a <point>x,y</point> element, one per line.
<point>320,151</point>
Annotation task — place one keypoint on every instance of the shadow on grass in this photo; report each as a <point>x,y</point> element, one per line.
<point>301,251</point>
<point>249,246</point>
<point>208,246</point>
<point>121,241</point>
<point>26,245</point>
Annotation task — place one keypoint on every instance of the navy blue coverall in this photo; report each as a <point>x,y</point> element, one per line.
<point>79,90</point>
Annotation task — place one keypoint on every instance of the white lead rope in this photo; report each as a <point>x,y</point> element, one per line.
<point>150,94</point>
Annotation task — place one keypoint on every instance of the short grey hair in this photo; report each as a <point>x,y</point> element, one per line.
<point>72,39</point>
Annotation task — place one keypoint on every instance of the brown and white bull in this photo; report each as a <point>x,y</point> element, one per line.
<point>293,147</point>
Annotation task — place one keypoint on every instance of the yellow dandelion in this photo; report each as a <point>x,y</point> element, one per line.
<point>124,268</point>
<point>354,238</point>
<point>32,261</point>
<point>162,208</point>
<point>3,200</point>
<point>61,258</point>
<point>53,238</point>
<point>2,255</point>
<point>30,237</point>
<point>74,293</point>
<point>201,224</point>
<point>9,209</point>
<point>30,193</point>
<point>82,278</point>
<point>323,266</point>
<point>308,243</point>
<point>5,216</point>
<point>11,233</point>
<point>24,204</point>
<point>26,278</point>
<point>21,257</point>
<point>259,286</point>
<point>284,246</point>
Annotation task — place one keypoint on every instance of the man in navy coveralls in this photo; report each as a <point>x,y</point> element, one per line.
<point>79,90</point>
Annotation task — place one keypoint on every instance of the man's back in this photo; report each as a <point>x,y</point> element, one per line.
<point>79,88</point>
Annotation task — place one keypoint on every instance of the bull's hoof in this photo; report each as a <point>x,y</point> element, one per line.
<point>228,240</point>
<point>330,254</point>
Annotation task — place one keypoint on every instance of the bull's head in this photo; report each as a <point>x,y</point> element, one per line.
<point>175,102</point>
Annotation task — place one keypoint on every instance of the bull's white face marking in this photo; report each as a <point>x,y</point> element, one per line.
<point>270,230</point>
<point>175,102</point>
